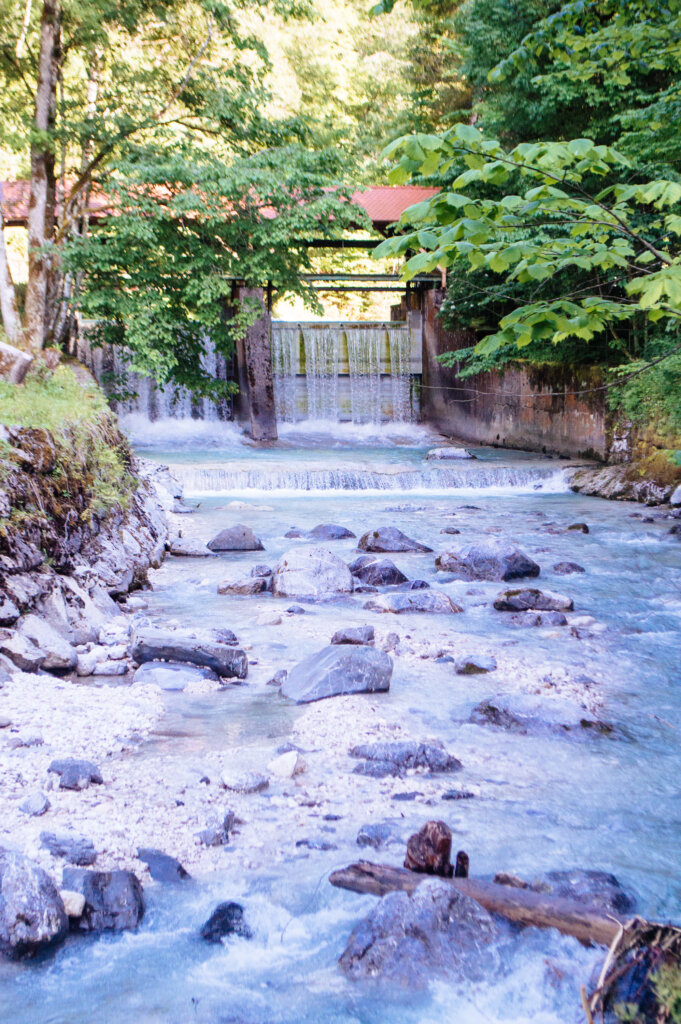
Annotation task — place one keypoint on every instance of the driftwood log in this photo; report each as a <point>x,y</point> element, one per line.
<point>589,924</point>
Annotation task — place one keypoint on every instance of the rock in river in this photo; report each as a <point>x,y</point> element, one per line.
<point>396,758</point>
<point>449,453</point>
<point>338,670</point>
<point>226,919</point>
<point>32,914</point>
<point>330,531</point>
<point>567,568</point>
<point>171,675</point>
<point>474,664</point>
<point>217,652</point>
<point>236,538</point>
<point>311,572</point>
<point>245,587</point>
<point>354,635</point>
<point>487,560</point>
<point>389,538</point>
<point>530,599</point>
<point>114,900</point>
<point>376,572</point>
<point>413,601</point>
<point>406,940</point>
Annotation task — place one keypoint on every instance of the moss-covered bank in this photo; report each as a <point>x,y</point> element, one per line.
<point>64,465</point>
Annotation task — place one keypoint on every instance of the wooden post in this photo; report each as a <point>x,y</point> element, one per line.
<point>589,924</point>
<point>255,370</point>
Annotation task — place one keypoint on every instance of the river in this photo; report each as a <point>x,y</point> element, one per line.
<point>540,801</point>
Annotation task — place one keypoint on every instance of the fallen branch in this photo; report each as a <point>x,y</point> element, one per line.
<point>587,923</point>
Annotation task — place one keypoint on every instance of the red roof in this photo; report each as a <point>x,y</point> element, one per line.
<point>386,203</point>
<point>383,203</point>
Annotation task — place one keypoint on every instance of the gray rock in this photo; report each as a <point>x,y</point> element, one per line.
<point>248,782</point>
<point>171,675</point>
<point>596,888</point>
<point>311,572</point>
<point>217,832</point>
<point>76,774</point>
<point>60,656</point>
<point>32,914</point>
<point>376,769</point>
<point>675,497</point>
<point>330,531</point>
<point>567,568</point>
<point>375,835</point>
<point>227,919</point>
<point>114,900</point>
<point>404,754</point>
<point>246,587</point>
<point>279,677</point>
<point>186,547</point>
<point>22,652</point>
<point>295,609</point>
<point>534,714</point>
<point>487,560</point>
<point>354,635</point>
<point>35,805</point>
<point>530,599</point>
<point>473,664</point>
<point>338,670</point>
<point>261,570</point>
<point>9,613</point>
<point>376,572</point>
<point>70,845</point>
<point>449,453</point>
<point>389,538</point>
<point>406,940</point>
<point>236,538</point>
<point>579,528</point>
<point>162,867</point>
<point>213,650</point>
<point>398,602</point>
<point>538,619</point>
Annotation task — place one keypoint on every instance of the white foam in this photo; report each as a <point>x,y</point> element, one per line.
<point>187,432</point>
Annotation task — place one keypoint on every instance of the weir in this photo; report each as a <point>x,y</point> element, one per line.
<point>346,372</point>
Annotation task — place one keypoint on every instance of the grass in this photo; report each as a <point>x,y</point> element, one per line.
<point>93,470</point>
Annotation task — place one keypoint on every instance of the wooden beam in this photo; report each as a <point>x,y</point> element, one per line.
<point>587,923</point>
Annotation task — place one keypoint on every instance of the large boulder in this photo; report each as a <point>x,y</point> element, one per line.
<point>217,652</point>
<point>487,560</point>
<point>311,572</point>
<point>376,572</point>
<point>21,651</point>
<point>236,538</point>
<point>32,914</point>
<point>413,601</point>
<point>337,670</point>
<point>530,599</point>
<point>407,940</point>
<point>60,656</point>
<point>389,538</point>
<point>114,900</point>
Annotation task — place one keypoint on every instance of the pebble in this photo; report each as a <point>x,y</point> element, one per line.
<point>35,805</point>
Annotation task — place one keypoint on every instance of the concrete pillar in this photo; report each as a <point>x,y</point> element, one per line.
<point>254,361</point>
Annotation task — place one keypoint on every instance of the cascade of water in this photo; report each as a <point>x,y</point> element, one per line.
<point>322,345</point>
<point>285,367</point>
<point>399,343</point>
<point>232,479</point>
<point>364,358</point>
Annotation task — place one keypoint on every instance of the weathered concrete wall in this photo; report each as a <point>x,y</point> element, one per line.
<point>256,379</point>
<point>528,408</point>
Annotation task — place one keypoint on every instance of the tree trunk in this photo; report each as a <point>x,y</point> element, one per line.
<point>8,298</point>
<point>587,923</point>
<point>41,210</point>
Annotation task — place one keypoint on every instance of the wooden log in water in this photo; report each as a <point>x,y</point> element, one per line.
<point>587,923</point>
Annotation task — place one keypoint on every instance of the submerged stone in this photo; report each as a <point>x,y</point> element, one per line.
<point>227,919</point>
<point>530,599</point>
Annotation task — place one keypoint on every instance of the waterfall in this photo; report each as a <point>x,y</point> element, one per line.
<point>236,478</point>
<point>358,373</point>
